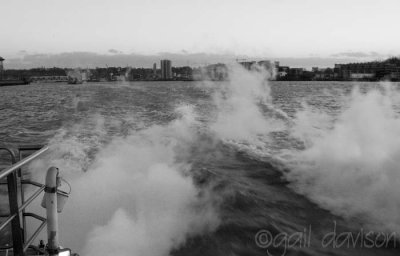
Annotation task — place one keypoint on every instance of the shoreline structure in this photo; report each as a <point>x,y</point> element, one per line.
<point>387,70</point>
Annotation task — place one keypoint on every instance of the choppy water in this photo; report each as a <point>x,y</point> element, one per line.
<point>191,168</point>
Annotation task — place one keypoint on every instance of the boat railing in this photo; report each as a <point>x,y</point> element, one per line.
<point>17,203</point>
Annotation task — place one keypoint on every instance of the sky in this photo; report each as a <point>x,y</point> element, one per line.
<point>286,29</point>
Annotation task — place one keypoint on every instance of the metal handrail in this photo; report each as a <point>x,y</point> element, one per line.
<point>40,228</point>
<point>12,154</point>
<point>20,244</point>
<point>34,195</point>
<point>12,197</point>
<point>21,163</point>
<point>21,149</point>
<point>5,223</point>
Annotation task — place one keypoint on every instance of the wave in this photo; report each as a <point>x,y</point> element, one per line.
<point>136,196</point>
<point>350,163</point>
<point>345,159</point>
<point>151,189</point>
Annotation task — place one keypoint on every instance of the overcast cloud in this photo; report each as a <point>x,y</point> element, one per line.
<point>255,28</point>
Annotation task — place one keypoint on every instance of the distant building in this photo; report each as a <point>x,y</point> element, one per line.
<point>267,65</point>
<point>155,69</point>
<point>360,76</point>
<point>166,70</point>
<point>375,70</point>
<point>182,73</point>
<point>216,72</point>
<point>1,68</point>
<point>323,74</point>
<point>248,64</point>
<point>48,79</point>
<point>283,71</point>
<point>296,73</point>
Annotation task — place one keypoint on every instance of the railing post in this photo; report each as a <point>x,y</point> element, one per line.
<point>24,233</point>
<point>15,223</point>
<point>51,210</point>
<point>18,240</point>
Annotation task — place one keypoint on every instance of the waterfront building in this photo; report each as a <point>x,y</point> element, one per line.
<point>270,67</point>
<point>48,79</point>
<point>182,73</point>
<point>296,72</point>
<point>248,64</point>
<point>375,70</point>
<point>362,76</point>
<point>323,74</point>
<point>166,70</point>
<point>155,70</point>
<point>1,68</point>
<point>283,71</point>
<point>216,72</point>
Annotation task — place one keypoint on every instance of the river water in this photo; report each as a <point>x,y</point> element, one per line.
<point>244,167</point>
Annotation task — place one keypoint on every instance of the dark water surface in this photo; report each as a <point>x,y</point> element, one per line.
<point>245,178</point>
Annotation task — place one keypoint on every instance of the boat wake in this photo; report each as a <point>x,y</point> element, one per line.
<point>211,179</point>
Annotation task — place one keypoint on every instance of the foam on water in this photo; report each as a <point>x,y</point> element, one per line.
<point>133,193</point>
<point>240,118</point>
<point>135,197</point>
<point>349,161</point>
<point>351,166</point>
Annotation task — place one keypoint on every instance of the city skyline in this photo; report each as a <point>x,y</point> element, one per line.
<point>92,60</point>
<point>284,30</point>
